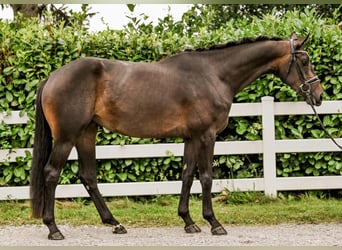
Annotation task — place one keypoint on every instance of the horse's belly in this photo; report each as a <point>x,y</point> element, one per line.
<point>152,128</point>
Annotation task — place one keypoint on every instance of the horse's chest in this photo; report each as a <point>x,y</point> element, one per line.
<point>209,117</point>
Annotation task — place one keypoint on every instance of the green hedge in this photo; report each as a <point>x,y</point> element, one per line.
<point>30,51</point>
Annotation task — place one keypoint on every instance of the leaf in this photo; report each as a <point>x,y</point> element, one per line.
<point>316,172</point>
<point>19,172</point>
<point>131,177</point>
<point>222,159</point>
<point>107,166</point>
<point>317,133</point>
<point>9,96</point>
<point>122,176</point>
<point>8,70</point>
<point>130,7</point>
<point>327,121</point>
<point>128,162</point>
<point>167,161</point>
<point>74,168</point>
<point>297,133</point>
<point>242,127</point>
<point>8,177</point>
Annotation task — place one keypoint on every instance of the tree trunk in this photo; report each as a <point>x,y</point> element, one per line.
<point>28,10</point>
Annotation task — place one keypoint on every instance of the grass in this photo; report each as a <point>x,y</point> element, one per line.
<point>238,208</point>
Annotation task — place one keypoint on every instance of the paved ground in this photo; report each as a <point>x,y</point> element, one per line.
<point>275,235</point>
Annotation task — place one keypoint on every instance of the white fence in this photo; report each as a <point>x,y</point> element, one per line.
<point>268,146</point>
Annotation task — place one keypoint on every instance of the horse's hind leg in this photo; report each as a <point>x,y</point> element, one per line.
<point>85,146</point>
<point>52,170</point>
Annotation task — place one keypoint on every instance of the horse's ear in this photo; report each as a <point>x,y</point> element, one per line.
<point>293,36</point>
<point>305,38</point>
<point>302,41</point>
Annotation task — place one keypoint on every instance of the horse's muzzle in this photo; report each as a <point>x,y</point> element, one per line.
<point>315,100</point>
<point>312,90</point>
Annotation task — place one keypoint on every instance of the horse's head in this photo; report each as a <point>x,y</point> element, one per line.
<point>298,72</point>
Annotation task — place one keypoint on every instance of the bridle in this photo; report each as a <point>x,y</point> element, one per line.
<point>305,87</point>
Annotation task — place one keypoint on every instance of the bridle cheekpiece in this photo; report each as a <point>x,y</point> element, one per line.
<point>305,87</point>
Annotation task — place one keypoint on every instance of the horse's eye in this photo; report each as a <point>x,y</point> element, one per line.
<point>305,62</point>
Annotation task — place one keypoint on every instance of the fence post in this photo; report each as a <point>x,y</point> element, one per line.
<point>269,157</point>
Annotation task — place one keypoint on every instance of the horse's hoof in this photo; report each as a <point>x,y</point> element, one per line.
<point>119,229</point>
<point>56,236</point>
<point>192,229</point>
<point>218,231</point>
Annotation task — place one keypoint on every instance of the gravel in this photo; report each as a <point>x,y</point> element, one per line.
<point>274,235</point>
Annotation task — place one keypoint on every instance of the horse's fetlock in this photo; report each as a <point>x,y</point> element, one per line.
<point>183,212</point>
<point>209,216</point>
<point>108,221</point>
<point>48,221</point>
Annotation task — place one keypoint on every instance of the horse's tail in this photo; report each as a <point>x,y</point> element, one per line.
<point>41,151</point>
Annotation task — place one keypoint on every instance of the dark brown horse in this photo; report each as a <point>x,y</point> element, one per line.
<point>188,95</point>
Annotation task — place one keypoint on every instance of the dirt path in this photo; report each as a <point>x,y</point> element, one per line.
<point>275,235</point>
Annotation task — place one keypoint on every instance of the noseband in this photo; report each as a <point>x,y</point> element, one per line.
<point>305,87</point>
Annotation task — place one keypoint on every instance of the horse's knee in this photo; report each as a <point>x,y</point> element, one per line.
<point>206,181</point>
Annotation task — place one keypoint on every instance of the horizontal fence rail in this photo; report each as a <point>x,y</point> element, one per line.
<point>268,146</point>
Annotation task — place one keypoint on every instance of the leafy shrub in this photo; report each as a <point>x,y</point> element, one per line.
<point>30,51</point>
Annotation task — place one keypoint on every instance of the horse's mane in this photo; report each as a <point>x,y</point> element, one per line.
<point>246,40</point>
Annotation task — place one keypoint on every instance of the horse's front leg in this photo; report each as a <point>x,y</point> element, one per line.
<point>205,158</point>
<point>189,167</point>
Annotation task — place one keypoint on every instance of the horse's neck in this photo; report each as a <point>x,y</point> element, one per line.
<point>240,65</point>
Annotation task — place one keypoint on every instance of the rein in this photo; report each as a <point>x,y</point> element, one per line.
<point>305,87</point>
<point>323,127</point>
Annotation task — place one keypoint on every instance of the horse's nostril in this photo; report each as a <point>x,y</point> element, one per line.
<point>321,97</point>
